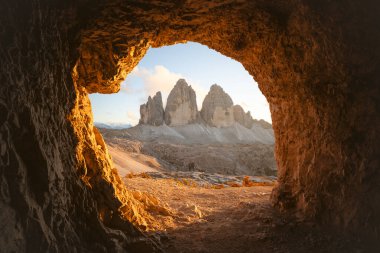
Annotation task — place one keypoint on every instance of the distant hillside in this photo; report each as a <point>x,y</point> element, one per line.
<point>112,125</point>
<point>221,138</point>
<point>196,134</point>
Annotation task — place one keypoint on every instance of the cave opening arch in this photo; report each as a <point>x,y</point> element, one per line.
<point>300,67</point>
<point>160,72</point>
<point>317,63</point>
<point>283,56</point>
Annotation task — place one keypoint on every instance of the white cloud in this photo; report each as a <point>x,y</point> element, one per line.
<point>244,105</point>
<point>162,79</point>
<point>157,79</point>
<point>127,87</point>
<point>132,117</point>
<point>259,108</point>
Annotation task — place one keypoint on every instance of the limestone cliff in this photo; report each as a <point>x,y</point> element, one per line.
<point>217,108</point>
<point>181,109</point>
<point>181,106</point>
<point>152,113</point>
<point>241,117</point>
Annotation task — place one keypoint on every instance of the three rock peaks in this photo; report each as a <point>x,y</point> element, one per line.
<point>181,108</point>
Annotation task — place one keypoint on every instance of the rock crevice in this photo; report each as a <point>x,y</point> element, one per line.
<point>152,113</point>
<point>181,106</point>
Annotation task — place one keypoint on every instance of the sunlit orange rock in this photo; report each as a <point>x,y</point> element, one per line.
<point>317,62</point>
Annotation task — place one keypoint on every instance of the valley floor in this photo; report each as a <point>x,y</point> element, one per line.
<point>231,220</point>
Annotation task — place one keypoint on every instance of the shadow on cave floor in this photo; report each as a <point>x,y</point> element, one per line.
<point>233,220</point>
<point>252,228</point>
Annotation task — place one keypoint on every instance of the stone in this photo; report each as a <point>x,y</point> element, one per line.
<point>152,113</point>
<point>317,63</point>
<point>181,106</point>
<point>241,117</point>
<point>263,123</point>
<point>217,108</point>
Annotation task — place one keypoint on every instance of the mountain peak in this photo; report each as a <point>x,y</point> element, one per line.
<point>181,107</point>
<point>152,113</point>
<point>181,82</point>
<point>218,109</point>
<point>216,86</point>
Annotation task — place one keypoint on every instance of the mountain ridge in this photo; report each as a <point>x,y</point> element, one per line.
<point>218,109</point>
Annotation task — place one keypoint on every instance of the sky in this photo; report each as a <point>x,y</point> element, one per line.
<point>160,69</point>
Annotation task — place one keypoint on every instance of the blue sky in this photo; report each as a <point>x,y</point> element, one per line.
<point>162,67</point>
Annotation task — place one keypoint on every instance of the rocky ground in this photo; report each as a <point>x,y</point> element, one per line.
<point>210,211</point>
<point>230,159</point>
<point>132,153</point>
<point>204,219</point>
<point>220,138</point>
<point>205,178</point>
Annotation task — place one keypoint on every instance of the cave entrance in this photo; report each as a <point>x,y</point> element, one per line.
<point>197,96</point>
<point>317,63</point>
<point>309,62</point>
<point>194,145</point>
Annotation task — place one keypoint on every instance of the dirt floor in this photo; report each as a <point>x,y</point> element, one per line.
<point>231,220</point>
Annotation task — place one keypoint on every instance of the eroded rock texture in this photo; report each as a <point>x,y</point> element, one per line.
<point>181,106</point>
<point>217,108</point>
<point>152,112</point>
<point>243,118</point>
<point>181,109</point>
<point>317,62</point>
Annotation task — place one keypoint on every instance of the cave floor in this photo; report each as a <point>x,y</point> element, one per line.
<point>230,219</point>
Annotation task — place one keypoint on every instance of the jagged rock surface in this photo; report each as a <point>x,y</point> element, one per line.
<point>317,62</point>
<point>263,123</point>
<point>152,113</point>
<point>174,153</point>
<point>181,106</point>
<point>217,108</point>
<point>241,117</point>
<point>181,109</point>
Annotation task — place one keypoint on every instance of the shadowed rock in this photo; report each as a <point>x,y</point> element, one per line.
<point>317,62</point>
<point>152,113</point>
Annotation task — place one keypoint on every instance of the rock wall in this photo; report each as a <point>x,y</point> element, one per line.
<point>152,112</point>
<point>243,118</point>
<point>181,106</point>
<point>59,191</point>
<point>181,109</point>
<point>217,108</point>
<point>317,62</point>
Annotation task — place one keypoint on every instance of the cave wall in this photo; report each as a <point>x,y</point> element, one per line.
<point>59,192</point>
<point>317,62</point>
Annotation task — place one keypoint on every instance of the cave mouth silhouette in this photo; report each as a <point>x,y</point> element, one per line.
<point>161,68</point>
<point>159,71</point>
<point>316,62</point>
<point>308,78</point>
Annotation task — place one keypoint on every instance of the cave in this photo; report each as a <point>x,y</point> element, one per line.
<point>317,63</point>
